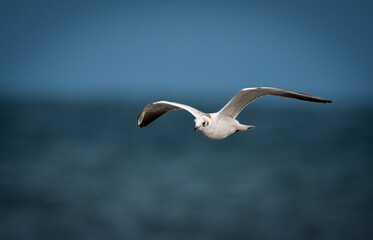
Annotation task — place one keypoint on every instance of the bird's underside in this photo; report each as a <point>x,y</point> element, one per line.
<point>223,123</point>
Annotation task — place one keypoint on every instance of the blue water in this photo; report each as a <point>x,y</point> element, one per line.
<point>86,171</point>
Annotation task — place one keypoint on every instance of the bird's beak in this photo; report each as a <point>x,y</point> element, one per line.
<point>195,128</point>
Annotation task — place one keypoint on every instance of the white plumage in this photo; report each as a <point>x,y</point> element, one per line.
<point>221,124</point>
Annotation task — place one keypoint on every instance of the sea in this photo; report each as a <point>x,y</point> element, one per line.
<point>85,170</point>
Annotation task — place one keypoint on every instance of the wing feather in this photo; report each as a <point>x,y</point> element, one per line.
<point>247,95</point>
<point>157,109</point>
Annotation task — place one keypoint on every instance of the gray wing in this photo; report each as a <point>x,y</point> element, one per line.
<point>157,109</point>
<point>247,95</point>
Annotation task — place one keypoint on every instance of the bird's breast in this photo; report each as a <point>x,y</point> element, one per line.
<point>219,129</point>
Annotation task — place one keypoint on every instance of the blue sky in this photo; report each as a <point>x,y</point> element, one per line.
<point>181,49</point>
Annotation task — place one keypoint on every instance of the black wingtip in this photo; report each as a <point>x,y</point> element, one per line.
<point>141,125</point>
<point>140,119</point>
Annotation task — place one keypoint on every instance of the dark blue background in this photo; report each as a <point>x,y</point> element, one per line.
<point>76,74</point>
<point>148,49</point>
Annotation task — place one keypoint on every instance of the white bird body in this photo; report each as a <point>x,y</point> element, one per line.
<point>221,124</point>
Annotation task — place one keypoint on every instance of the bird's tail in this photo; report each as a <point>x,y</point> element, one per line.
<point>242,127</point>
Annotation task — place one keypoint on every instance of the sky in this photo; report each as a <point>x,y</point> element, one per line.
<point>184,49</point>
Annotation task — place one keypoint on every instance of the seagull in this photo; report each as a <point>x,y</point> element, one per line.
<point>221,124</point>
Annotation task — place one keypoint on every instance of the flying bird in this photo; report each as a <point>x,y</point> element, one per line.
<point>221,124</point>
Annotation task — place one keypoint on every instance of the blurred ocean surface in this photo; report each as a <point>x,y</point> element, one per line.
<point>86,171</point>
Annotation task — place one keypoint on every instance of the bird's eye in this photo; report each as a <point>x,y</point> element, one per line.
<point>204,124</point>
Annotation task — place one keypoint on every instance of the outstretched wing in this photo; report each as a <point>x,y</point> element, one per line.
<point>157,109</point>
<point>247,95</point>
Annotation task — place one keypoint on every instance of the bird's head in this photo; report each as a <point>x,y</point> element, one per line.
<point>202,122</point>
